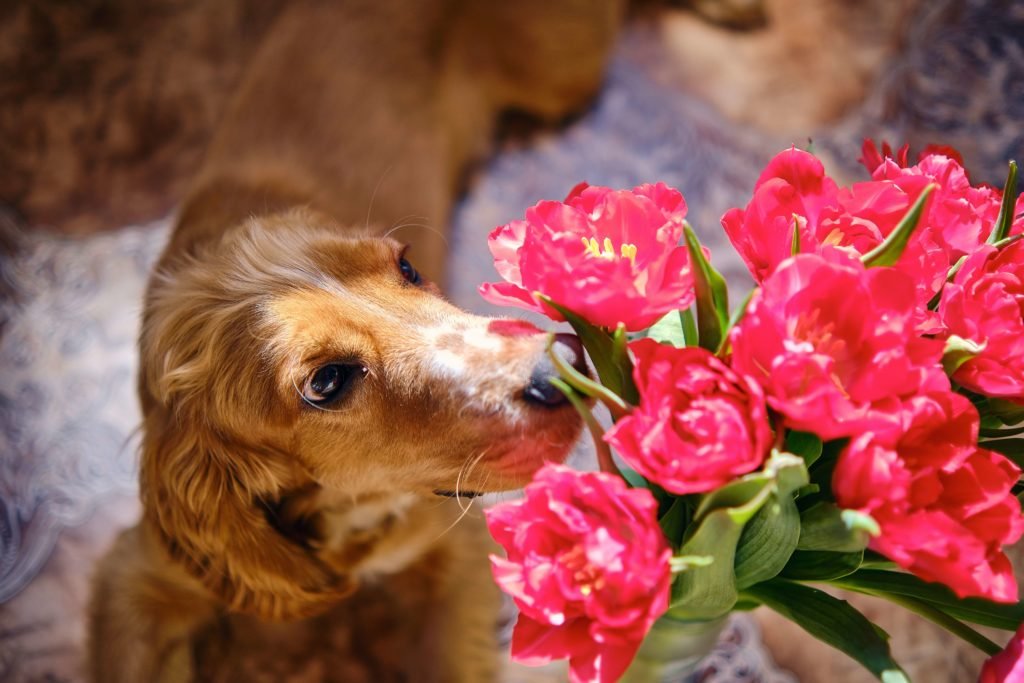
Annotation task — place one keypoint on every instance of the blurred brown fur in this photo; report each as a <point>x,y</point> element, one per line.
<point>106,106</point>
<point>805,65</point>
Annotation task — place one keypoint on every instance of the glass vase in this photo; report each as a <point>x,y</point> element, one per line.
<point>673,649</point>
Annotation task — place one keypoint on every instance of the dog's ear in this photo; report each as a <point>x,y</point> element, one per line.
<point>215,447</point>
<point>203,493</point>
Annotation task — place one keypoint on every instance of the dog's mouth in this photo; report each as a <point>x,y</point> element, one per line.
<point>457,494</point>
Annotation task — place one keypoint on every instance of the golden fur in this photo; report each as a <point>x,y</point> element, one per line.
<point>258,507</point>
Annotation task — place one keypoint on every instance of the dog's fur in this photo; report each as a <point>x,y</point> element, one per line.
<point>259,507</point>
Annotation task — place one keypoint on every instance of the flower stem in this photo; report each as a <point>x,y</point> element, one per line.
<point>604,453</point>
<point>586,386</point>
<point>734,319</point>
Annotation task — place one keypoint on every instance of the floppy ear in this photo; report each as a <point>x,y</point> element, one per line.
<point>208,457</point>
<point>202,493</point>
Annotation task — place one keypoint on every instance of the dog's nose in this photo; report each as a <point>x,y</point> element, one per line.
<point>540,391</point>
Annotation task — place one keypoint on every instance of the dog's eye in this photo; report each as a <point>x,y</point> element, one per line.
<point>408,272</point>
<point>330,382</point>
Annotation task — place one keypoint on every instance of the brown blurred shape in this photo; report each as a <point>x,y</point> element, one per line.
<point>107,105</point>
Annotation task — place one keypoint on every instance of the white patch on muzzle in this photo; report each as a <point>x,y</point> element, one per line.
<point>465,355</point>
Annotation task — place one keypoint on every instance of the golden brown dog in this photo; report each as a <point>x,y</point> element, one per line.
<point>308,398</point>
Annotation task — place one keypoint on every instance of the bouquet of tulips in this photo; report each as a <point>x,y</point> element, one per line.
<point>850,424</point>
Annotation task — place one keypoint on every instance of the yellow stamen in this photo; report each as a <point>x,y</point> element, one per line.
<point>629,251</point>
<point>833,238</point>
<point>591,246</point>
<point>607,249</point>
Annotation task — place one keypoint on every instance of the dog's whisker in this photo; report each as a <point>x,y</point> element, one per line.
<point>410,217</point>
<point>406,224</point>
<point>419,225</point>
<point>465,471</point>
<point>462,515</point>
<point>469,506</point>
<point>373,196</point>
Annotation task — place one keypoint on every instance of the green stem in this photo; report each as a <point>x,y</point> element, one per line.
<point>586,386</point>
<point>604,453</point>
<point>1007,241</point>
<point>734,319</point>
<point>689,324</point>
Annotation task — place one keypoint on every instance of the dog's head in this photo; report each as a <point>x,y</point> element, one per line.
<point>289,356</point>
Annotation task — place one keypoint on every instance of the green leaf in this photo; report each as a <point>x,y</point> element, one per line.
<point>620,359</point>
<point>584,385</point>
<point>735,494</point>
<point>734,319</point>
<point>674,522</point>
<point>888,252</point>
<point>957,352</point>
<point>784,472</point>
<point>669,330</point>
<point>767,541</point>
<point>824,526</point>
<point>1008,412</point>
<point>947,622</point>
<point>806,445</point>
<point>975,610</point>
<point>834,622</point>
<point>1013,449</point>
<point>808,490</point>
<point>789,472</point>
<point>821,565</point>
<point>999,433</point>
<point>1004,221</point>
<point>664,498</point>
<point>874,560</point>
<point>708,592</point>
<point>822,471</point>
<point>634,479</point>
<point>689,327</point>
<point>712,294</point>
<point>600,347</point>
<point>745,604</point>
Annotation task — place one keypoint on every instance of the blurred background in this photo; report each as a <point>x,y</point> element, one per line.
<point>105,110</point>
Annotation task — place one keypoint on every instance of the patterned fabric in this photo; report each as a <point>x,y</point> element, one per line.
<point>68,412</point>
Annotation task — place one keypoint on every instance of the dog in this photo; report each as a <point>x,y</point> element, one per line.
<point>314,411</point>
